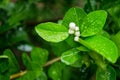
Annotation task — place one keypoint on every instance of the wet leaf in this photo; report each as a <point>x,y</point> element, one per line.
<point>103,46</point>
<point>93,23</point>
<point>104,33</point>
<point>52,32</point>
<point>70,57</point>
<point>75,15</point>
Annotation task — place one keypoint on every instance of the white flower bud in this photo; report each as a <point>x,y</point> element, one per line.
<point>77,33</point>
<point>76,38</point>
<point>70,31</point>
<point>76,28</point>
<point>72,25</point>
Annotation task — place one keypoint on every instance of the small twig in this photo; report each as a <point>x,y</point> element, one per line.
<point>51,62</point>
<point>24,72</point>
<point>18,74</point>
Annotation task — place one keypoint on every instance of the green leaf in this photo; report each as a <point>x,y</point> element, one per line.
<point>4,64</point>
<point>55,71</point>
<point>104,33</point>
<point>39,56</point>
<point>103,46</point>
<point>18,15</point>
<point>114,13</point>
<point>43,76</point>
<point>5,27</point>
<point>31,75</point>
<point>4,68</point>
<point>99,60</point>
<point>85,60</point>
<point>108,74</point>
<point>75,15</point>
<point>59,48</point>
<point>116,39</point>
<point>34,68</point>
<point>17,36</point>
<point>27,61</point>
<point>82,48</point>
<point>52,32</point>
<point>13,64</point>
<point>70,57</point>
<point>78,63</point>
<point>93,23</point>
<point>71,42</point>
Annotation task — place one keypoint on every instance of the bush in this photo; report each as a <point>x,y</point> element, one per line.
<point>38,43</point>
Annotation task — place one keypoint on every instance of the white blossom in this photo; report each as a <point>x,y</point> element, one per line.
<point>76,38</point>
<point>76,28</point>
<point>72,25</point>
<point>71,31</point>
<point>77,33</point>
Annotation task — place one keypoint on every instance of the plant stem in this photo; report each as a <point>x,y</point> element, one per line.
<point>51,61</point>
<point>84,44</point>
<point>18,74</point>
<point>25,71</point>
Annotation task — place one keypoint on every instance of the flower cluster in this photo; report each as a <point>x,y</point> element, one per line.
<point>73,29</point>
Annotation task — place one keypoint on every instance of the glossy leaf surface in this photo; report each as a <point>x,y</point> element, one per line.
<point>93,23</point>
<point>75,15</point>
<point>70,56</point>
<point>52,32</point>
<point>103,46</point>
